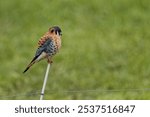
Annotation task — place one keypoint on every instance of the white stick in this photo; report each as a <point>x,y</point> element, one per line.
<point>45,80</point>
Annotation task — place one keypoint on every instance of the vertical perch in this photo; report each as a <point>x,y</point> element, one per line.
<point>44,83</point>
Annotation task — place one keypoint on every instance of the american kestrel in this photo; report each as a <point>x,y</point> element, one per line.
<point>48,45</point>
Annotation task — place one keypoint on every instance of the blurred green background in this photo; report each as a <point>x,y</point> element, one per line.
<point>105,50</point>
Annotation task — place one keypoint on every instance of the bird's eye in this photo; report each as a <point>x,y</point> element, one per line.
<point>52,31</point>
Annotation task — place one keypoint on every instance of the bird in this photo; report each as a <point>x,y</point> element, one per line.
<point>48,45</point>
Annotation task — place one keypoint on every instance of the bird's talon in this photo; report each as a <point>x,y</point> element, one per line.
<point>49,61</point>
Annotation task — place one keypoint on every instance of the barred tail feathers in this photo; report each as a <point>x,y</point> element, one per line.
<point>31,63</point>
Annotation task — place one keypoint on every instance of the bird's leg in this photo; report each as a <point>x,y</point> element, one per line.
<point>49,60</point>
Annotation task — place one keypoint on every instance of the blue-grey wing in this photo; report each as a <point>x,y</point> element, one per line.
<point>47,47</point>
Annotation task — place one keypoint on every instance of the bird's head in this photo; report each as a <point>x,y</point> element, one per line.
<point>56,30</point>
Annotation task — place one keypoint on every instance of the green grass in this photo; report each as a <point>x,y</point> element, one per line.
<point>105,47</point>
